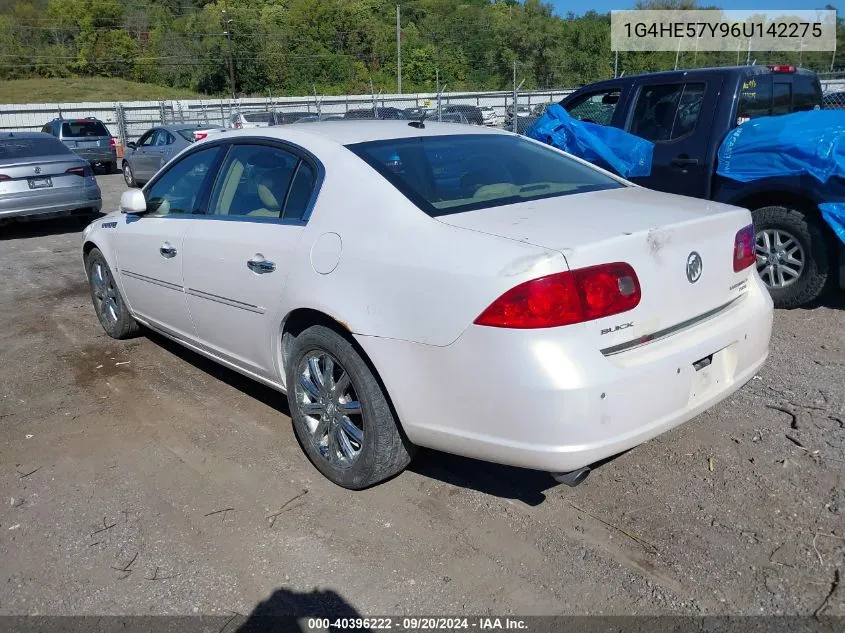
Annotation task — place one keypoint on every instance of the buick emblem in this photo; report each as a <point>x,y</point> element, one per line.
<point>37,170</point>
<point>694,266</point>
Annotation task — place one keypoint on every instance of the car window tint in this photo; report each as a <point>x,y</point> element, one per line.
<point>597,107</point>
<point>452,174</point>
<point>668,112</point>
<point>178,190</point>
<point>147,139</point>
<point>755,98</point>
<point>160,138</point>
<point>11,148</point>
<point>782,99</point>
<point>300,192</point>
<point>253,182</point>
<point>807,93</point>
<point>83,128</point>
<point>258,117</point>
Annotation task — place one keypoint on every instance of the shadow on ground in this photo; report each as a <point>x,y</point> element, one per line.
<point>23,229</point>
<point>280,611</point>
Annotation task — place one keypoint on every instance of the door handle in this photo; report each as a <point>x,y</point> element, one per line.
<point>260,265</point>
<point>167,250</point>
<point>684,161</point>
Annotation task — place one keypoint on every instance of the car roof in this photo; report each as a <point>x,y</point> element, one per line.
<point>697,72</point>
<point>347,132</point>
<point>25,135</point>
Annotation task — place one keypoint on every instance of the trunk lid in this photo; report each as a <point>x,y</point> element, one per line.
<point>657,234</point>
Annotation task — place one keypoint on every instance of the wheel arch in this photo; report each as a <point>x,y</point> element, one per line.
<point>300,319</point>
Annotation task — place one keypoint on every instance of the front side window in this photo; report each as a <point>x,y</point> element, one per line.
<point>452,174</point>
<point>179,189</point>
<point>261,181</point>
<point>668,112</point>
<point>596,107</point>
<point>147,139</point>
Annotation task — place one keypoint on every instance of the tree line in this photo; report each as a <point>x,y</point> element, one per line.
<point>296,47</point>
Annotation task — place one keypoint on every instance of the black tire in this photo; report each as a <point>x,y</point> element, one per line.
<point>816,255</point>
<point>109,305</point>
<point>113,168</point>
<point>128,175</point>
<point>383,451</point>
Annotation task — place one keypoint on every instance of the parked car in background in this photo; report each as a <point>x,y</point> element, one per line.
<point>504,267</point>
<point>522,111</point>
<point>285,118</point>
<point>144,157</point>
<point>472,113</point>
<point>88,138</point>
<point>241,120</point>
<point>312,118</point>
<point>376,113</point>
<point>41,177</point>
<point>687,115</point>
<point>489,116</point>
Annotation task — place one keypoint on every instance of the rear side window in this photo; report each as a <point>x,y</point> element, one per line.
<point>187,134</point>
<point>807,93</point>
<point>258,117</point>
<point>667,113</point>
<point>13,148</point>
<point>597,107</point>
<point>452,174</point>
<point>83,128</point>
<point>755,98</point>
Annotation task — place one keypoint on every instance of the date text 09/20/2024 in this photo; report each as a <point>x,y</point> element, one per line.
<point>417,624</point>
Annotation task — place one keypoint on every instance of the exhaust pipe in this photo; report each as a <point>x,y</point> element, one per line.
<point>572,478</point>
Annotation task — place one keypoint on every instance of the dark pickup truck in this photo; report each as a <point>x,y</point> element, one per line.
<point>686,114</point>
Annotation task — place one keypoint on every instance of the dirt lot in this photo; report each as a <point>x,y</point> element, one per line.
<point>137,478</point>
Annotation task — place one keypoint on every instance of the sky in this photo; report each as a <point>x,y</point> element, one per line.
<point>603,6</point>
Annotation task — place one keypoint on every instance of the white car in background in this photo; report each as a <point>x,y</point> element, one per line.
<point>489,116</point>
<point>244,120</point>
<point>404,290</point>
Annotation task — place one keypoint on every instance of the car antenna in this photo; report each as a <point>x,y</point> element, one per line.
<point>420,125</point>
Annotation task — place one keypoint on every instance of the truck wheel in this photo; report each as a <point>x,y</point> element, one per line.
<point>793,255</point>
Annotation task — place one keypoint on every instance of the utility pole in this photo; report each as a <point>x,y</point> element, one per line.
<point>398,50</point>
<point>227,26</point>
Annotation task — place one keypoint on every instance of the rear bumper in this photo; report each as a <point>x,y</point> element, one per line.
<point>96,154</point>
<point>52,201</point>
<point>543,399</point>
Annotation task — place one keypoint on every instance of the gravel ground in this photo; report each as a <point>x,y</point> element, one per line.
<point>137,478</point>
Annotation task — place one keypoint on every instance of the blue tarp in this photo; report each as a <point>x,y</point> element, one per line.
<point>834,215</point>
<point>804,143</point>
<point>608,147</point>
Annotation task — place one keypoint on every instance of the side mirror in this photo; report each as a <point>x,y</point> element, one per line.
<point>133,201</point>
<point>131,145</point>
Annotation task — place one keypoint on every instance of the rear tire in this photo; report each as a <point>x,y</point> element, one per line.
<point>109,305</point>
<point>340,412</point>
<point>128,175</point>
<point>793,255</point>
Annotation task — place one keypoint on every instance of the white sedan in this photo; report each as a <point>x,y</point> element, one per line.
<point>440,285</point>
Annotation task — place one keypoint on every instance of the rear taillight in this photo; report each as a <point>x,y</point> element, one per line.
<point>783,68</point>
<point>236,125</point>
<point>744,248</point>
<point>112,143</point>
<point>565,298</point>
<point>198,136</point>
<point>80,171</point>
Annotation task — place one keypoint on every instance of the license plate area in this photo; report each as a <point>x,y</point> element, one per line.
<point>43,182</point>
<point>712,373</point>
<point>87,143</point>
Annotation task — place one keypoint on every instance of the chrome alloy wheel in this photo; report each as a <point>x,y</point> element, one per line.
<point>105,294</point>
<point>331,410</point>
<point>780,258</point>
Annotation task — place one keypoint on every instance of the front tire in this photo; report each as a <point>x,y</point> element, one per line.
<point>793,255</point>
<point>128,175</point>
<point>108,302</point>
<point>340,413</point>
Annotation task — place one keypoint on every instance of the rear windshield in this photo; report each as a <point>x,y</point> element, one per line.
<point>77,129</point>
<point>30,147</point>
<point>258,117</point>
<point>451,174</point>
